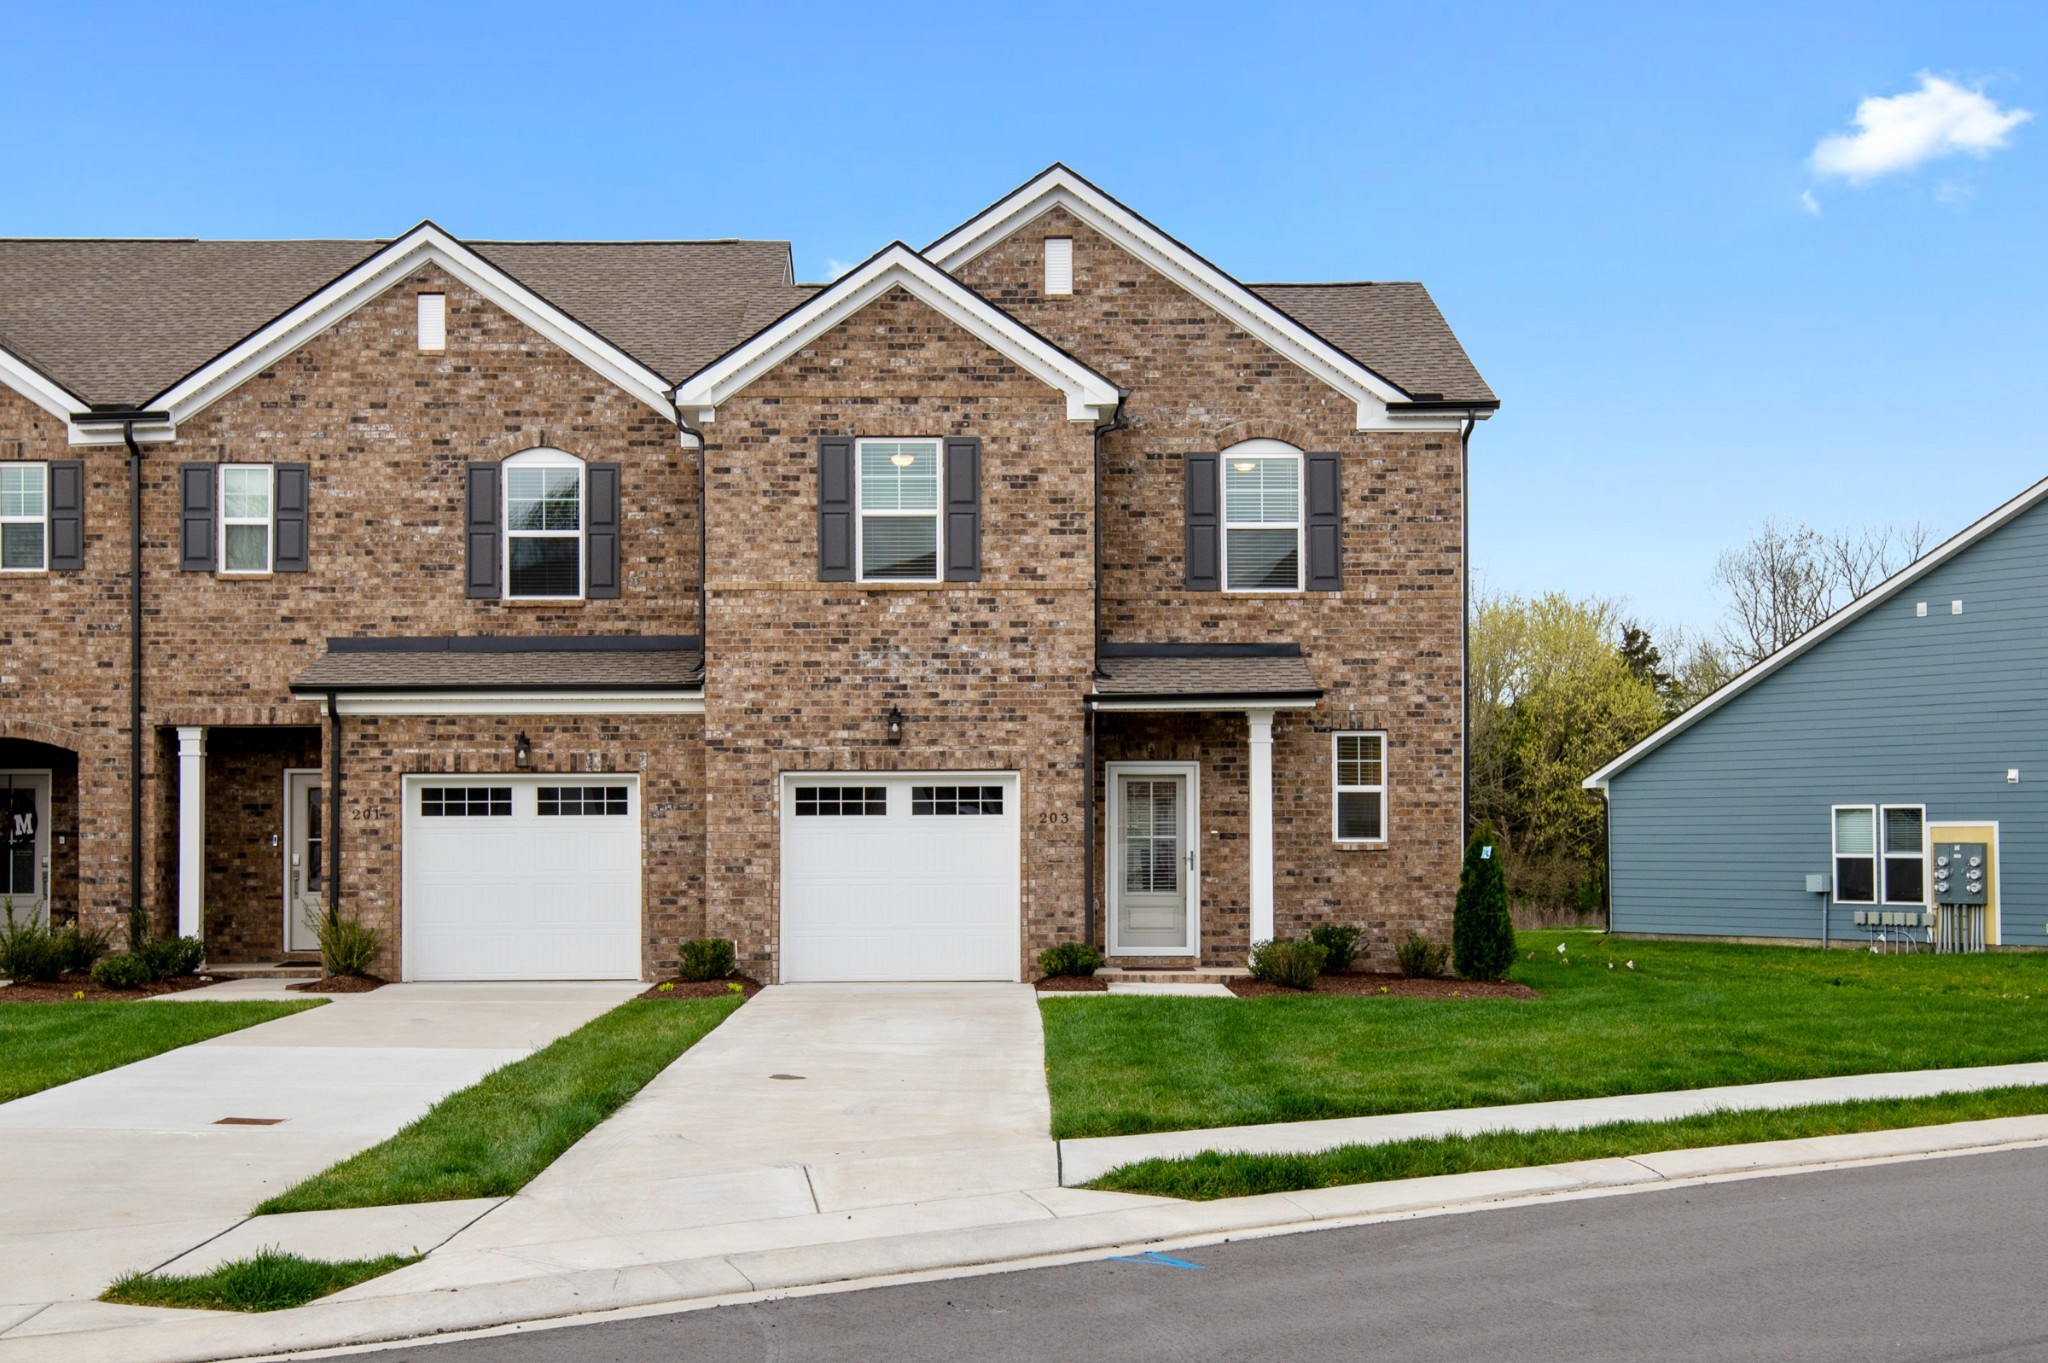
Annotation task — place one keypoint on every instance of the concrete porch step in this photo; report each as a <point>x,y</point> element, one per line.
<point>1172,975</point>
<point>264,970</point>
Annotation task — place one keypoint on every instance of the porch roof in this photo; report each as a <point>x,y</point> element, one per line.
<point>479,663</point>
<point>1218,676</point>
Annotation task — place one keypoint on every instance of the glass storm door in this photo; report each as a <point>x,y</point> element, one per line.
<point>24,851</point>
<point>1154,866</point>
<point>305,862</point>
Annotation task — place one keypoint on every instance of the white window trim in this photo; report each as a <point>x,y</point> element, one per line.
<point>1262,449</point>
<point>937,513</point>
<point>268,521</point>
<point>1835,858</point>
<point>1338,788</point>
<point>1885,854</point>
<point>42,520</point>
<point>544,458</point>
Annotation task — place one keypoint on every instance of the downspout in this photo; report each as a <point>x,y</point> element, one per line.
<point>334,819</point>
<point>137,929</point>
<point>1465,626</point>
<point>1116,423</point>
<point>703,533</point>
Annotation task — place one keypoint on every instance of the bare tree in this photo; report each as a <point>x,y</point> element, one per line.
<point>1787,579</point>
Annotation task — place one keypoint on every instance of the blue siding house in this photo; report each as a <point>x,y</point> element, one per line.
<point>1917,713</point>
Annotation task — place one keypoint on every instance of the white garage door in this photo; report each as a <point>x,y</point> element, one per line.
<point>900,877</point>
<point>522,878</point>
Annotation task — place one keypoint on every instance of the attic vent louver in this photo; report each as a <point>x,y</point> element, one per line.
<point>1059,265</point>
<point>433,321</point>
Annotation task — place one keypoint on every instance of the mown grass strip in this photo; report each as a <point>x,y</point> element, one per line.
<point>1688,1015</point>
<point>1210,1175</point>
<point>46,1044</point>
<point>265,1281</point>
<point>490,1139</point>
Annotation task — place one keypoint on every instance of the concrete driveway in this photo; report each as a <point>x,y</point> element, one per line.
<point>131,1168</point>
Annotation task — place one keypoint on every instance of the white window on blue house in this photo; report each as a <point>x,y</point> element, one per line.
<point>1855,854</point>
<point>1905,854</point>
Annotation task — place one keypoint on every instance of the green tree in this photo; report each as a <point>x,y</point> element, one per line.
<point>1482,934</point>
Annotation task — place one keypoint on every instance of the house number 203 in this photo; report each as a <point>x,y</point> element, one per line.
<point>1053,818</point>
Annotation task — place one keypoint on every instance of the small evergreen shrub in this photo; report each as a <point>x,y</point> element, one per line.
<point>1422,959</point>
<point>1339,942</point>
<point>120,970</point>
<point>348,946</point>
<point>1070,958</point>
<point>706,958</point>
<point>170,957</point>
<point>1482,934</point>
<point>1291,965</point>
<point>28,950</point>
<point>81,947</point>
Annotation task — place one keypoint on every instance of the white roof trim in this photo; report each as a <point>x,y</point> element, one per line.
<point>1060,187</point>
<point>423,245</point>
<point>39,388</point>
<point>1861,606</point>
<point>1090,397</point>
<point>515,703</point>
<point>1248,701</point>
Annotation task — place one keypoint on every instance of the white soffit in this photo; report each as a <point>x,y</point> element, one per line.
<point>1060,187</point>
<point>1090,397</point>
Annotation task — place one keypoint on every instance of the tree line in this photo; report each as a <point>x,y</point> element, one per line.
<point>1559,686</point>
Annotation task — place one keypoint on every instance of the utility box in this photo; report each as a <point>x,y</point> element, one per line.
<point>1961,872</point>
<point>1817,884</point>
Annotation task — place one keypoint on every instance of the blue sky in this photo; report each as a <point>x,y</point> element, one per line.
<point>1606,200</point>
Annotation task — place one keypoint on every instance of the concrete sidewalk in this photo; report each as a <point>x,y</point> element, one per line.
<point>132,1167</point>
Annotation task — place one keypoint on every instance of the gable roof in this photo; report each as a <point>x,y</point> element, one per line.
<point>120,322</point>
<point>1381,399</point>
<point>1841,619</point>
<point>1090,396</point>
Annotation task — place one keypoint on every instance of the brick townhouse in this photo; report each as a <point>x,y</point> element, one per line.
<point>546,603</point>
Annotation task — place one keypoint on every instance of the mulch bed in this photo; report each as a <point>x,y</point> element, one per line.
<point>1393,986</point>
<point>62,989</point>
<point>1072,984</point>
<point>702,989</point>
<point>340,984</point>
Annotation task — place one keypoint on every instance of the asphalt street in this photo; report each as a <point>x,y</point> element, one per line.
<point>1936,1259</point>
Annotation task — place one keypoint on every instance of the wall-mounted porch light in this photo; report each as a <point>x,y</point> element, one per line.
<point>895,724</point>
<point>522,751</point>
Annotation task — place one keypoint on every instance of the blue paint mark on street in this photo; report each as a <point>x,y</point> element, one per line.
<point>1152,1257</point>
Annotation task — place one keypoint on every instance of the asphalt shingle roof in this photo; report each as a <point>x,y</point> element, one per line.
<point>1199,676</point>
<point>1393,329</point>
<point>502,665</point>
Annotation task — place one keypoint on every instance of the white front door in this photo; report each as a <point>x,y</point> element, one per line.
<point>305,860</point>
<point>900,877</point>
<point>25,844</point>
<point>1152,859</point>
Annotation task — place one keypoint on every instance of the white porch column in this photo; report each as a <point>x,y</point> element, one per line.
<point>1262,823</point>
<point>191,830</point>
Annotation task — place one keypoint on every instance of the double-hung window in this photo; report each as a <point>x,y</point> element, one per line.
<point>899,510</point>
<point>1361,787</point>
<point>1855,854</point>
<point>544,525</point>
<point>24,518</point>
<point>1905,853</point>
<point>245,517</point>
<point>1262,517</point>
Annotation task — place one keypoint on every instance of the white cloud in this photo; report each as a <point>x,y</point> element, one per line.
<point>1899,132</point>
<point>1809,203</point>
<point>836,268</point>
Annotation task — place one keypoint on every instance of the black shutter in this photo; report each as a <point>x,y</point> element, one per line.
<point>293,489</point>
<point>835,508</point>
<point>196,483</point>
<point>601,531</point>
<point>1324,524</point>
<point>963,509</point>
<point>481,531</point>
<point>1204,525</point>
<point>67,515</point>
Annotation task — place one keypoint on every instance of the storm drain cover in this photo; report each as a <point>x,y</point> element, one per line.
<point>785,1076</point>
<point>248,1121</point>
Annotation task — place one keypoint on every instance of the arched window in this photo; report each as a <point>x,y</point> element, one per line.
<point>1261,517</point>
<point>544,498</point>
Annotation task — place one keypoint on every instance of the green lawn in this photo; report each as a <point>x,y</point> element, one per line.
<point>1689,1015</point>
<point>45,1044</point>
<point>490,1139</point>
<point>1212,1175</point>
<point>265,1281</point>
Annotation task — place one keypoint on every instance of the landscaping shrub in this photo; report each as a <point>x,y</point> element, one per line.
<point>706,958</point>
<point>1070,958</point>
<point>1482,934</point>
<point>1291,965</point>
<point>120,970</point>
<point>81,947</point>
<point>1422,959</point>
<point>348,946</point>
<point>1339,942</point>
<point>28,950</point>
<point>169,957</point>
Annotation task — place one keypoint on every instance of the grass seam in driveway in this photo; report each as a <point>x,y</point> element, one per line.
<point>1214,1174</point>
<point>267,1280</point>
<point>43,1045</point>
<point>492,1138</point>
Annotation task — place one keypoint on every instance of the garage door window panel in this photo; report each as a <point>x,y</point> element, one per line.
<point>935,801</point>
<point>466,802</point>
<point>582,801</point>
<point>835,801</point>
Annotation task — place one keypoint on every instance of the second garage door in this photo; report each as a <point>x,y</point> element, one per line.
<point>900,877</point>
<point>522,878</point>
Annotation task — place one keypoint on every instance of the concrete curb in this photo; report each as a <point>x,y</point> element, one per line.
<point>688,1283</point>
